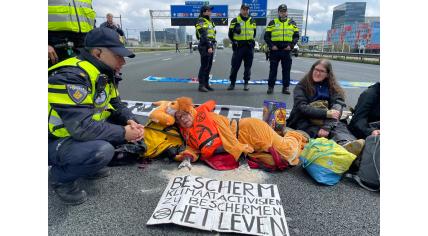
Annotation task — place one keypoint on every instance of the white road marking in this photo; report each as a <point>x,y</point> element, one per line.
<point>167,59</point>
<point>297,71</point>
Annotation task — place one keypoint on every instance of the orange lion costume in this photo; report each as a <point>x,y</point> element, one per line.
<point>220,142</point>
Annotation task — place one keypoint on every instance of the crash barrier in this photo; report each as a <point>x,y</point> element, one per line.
<point>362,57</point>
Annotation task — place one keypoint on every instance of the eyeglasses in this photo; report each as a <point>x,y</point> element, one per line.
<point>320,71</point>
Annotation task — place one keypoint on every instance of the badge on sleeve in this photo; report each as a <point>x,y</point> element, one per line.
<point>77,93</point>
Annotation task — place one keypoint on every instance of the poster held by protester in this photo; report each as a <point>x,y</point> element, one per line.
<point>223,206</point>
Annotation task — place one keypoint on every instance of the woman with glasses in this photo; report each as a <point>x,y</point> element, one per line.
<point>318,104</point>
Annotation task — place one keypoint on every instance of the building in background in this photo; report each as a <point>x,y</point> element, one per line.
<point>371,19</point>
<point>189,38</point>
<point>355,37</point>
<point>348,13</point>
<point>182,34</point>
<point>133,42</point>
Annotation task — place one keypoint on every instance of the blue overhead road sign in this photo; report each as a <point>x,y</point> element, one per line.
<point>199,3</point>
<point>258,10</point>
<point>305,39</point>
<point>187,14</point>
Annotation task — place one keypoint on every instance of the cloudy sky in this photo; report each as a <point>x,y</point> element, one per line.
<point>135,13</point>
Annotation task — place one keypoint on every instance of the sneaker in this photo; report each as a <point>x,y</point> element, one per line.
<point>355,146</point>
<point>202,89</point>
<point>270,90</point>
<point>104,172</point>
<point>231,87</point>
<point>70,193</point>
<point>209,87</point>
<point>246,87</point>
<point>285,90</point>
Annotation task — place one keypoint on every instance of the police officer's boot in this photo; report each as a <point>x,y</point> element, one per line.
<point>202,88</point>
<point>231,86</point>
<point>285,90</point>
<point>70,193</point>
<point>209,87</point>
<point>270,90</point>
<point>246,86</point>
<point>104,172</point>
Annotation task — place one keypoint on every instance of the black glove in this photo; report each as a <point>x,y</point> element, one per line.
<point>234,45</point>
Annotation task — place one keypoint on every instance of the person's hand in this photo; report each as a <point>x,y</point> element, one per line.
<point>376,132</point>
<point>323,133</point>
<point>210,50</point>
<point>186,163</point>
<point>139,127</point>
<point>333,114</point>
<point>52,54</point>
<point>288,48</point>
<point>131,134</point>
<point>274,48</point>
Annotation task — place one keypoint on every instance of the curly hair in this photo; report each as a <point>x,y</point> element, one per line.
<point>309,83</point>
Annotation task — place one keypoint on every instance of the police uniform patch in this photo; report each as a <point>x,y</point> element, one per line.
<point>77,93</point>
<point>101,97</point>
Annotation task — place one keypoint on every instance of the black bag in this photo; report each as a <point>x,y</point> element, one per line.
<point>368,172</point>
<point>128,153</point>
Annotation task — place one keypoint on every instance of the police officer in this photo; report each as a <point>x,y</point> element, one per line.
<point>205,33</point>
<point>242,31</point>
<point>86,117</point>
<point>68,23</point>
<point>281,35</point>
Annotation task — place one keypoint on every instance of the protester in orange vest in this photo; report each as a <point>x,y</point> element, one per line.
<point>220,142</point>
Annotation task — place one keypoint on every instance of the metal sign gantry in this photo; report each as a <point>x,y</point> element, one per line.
<point>166,14</point>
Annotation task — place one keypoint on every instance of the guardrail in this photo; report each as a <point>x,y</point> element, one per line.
<point>363,57</point>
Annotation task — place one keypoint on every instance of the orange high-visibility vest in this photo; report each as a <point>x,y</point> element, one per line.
<point>203,135</point>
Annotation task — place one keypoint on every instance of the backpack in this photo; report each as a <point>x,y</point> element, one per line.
<point>325,160</point>
<point>162,140</point>
<point>368,172</point>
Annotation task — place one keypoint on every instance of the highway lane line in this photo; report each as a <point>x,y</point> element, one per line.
<point>167,59</point>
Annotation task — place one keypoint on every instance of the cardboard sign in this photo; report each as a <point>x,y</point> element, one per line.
<point>223,206</point>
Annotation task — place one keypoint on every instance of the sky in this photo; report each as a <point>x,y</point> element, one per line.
<point>135,13</point>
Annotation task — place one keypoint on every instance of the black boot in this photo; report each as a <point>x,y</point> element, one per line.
<point>202,88</point>
<point>209,87</point>
<point>270,90</point>
<point>285,90</point>
<point>70,193</point>
<point>246,86</point>
<point>231,87</point>
<point>104,172</point>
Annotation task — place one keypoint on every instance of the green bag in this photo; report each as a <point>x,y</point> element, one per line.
<point>325,160</point>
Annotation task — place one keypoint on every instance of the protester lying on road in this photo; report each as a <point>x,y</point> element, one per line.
<point>220,142</point>
<point>366,118</point>
<point>318,104</point>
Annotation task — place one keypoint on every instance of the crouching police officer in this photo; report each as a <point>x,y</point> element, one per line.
<point>281,35</point>
<point>86,117</point>
<point>242,31</point>
<point>205,33</point>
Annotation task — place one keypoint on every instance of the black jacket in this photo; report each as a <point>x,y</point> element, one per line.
<point>78,118</point>
<point>366,111</point>
<point>113,27</point>
<point>302,112</point>
<point>281,45</point>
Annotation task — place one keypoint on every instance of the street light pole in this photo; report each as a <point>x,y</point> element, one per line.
<point>307,11</point>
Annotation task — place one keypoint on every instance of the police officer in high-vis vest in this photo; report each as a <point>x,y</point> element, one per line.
<point>205,33</point>
<point>86,117</point>
<point>281,35</point>
<point>242,31</point>
<point>68,23</point>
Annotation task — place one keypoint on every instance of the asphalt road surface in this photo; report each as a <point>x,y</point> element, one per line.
<point>122,203</point>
